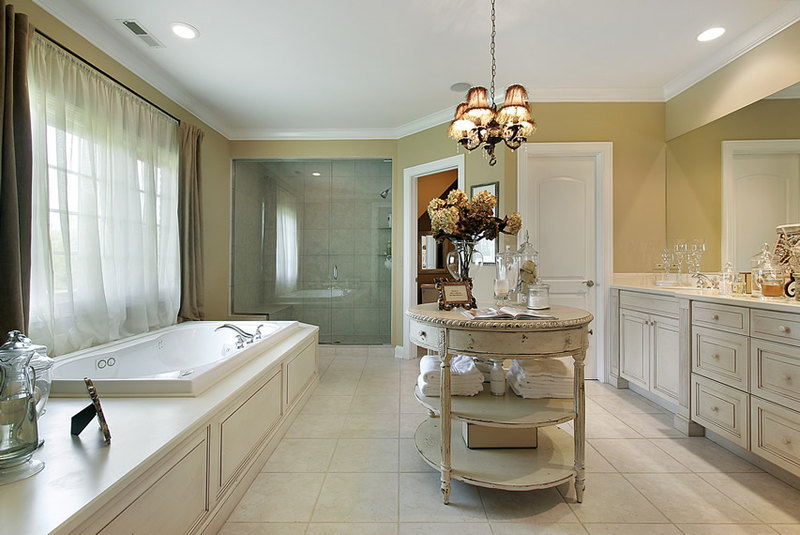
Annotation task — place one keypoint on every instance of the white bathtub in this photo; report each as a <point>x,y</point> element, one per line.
<point>182,360</point>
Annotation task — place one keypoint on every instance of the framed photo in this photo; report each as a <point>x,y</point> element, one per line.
<point>455,294</point>
<point>488,248</point>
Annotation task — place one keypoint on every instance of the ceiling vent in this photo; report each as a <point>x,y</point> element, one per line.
<point>136,29</point>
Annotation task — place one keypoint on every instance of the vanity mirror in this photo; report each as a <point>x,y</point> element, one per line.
<point>736,205</point>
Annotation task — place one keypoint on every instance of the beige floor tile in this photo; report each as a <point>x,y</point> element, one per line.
<point>629,455</point>
<point>376,389</point>
<point>632,529</point>
<point>431,528</point>
<point>327,405</point>
<point>726,529</point>
<point>263,528</point>
<point>652,425</point>
<point>787,529</point>
<point>701,455</point>
<point>626,404</point>
<point>611,498</point>
<point>512,528</point>
<point>544,506</point>
<point>596,462</point>
<point>421,500</point>
<point>409,404</point>
<point>352,351</point>
<point>371,426</point>
<point>365,455</point>
<point>595,389</point>
<point>279,498</point>
<point>357,498</point>
<point>377,403</point>
<point>382,352</point>
<point>301,455</point>
<point>608,426</point>
<point>316,426</point>
<point>688,499</point>
<point>770,499</point>
<point>352,529</point>
<point>410,459</point>
<point>409,423</point>
<point>338,385</point>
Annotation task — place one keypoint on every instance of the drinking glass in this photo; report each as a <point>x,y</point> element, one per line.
<point>501,291</point>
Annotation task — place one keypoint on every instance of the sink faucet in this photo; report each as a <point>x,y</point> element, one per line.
<point>246,337</point>
<point>704,281</point>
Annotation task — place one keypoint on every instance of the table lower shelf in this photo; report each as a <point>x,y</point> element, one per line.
<point>503,411</point>
<point>548,465</point>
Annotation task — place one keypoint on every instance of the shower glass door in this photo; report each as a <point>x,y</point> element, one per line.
<point>312,242</point>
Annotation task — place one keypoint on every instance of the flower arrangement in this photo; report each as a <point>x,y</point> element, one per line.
<point>459,218</point>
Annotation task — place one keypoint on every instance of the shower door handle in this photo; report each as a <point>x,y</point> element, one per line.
<point>335,272</point>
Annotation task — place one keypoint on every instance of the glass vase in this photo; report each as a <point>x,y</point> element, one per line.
<point>461,258</point>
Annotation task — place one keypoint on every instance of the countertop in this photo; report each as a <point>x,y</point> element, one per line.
<point>82,472</point>
<point>643,282</point>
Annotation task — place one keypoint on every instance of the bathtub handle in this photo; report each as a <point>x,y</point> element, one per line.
<point>240,341</point>
<point>257,335</point>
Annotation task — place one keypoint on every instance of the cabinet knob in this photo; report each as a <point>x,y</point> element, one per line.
<point>423,334</point>
<point>788,378</point>
<point>783,328</point>
<point>715,356</point>
<point>715,409</point>
<point>787,441</point>
<point>715,317</point>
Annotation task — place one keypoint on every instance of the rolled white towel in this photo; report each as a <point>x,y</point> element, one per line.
<point>562,389</point>
<point>430,367</point>
<point>460,365</point>
<point>456,389</point>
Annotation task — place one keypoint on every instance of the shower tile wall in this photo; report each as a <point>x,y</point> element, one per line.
<point>343,223</point>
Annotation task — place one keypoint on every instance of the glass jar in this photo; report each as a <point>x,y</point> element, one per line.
<point>538,296</point>
<point>528,265</point>
<point>507,269</point>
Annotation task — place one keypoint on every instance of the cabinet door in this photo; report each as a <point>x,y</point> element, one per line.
<point>664,366</point>
<point>634,347</point>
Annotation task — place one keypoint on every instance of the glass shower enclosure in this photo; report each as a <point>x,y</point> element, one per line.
<point>312,242</point>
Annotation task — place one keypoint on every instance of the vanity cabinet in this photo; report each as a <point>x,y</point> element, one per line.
<point>745,383</point>
<point>649,338</point>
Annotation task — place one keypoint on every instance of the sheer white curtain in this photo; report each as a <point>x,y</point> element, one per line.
<point>105,253</point>
<point>286,254</point>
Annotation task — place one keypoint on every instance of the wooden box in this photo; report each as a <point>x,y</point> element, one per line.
<point>480,436</point>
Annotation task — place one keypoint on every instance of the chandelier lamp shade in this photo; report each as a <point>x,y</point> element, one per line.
<point>478,121</point>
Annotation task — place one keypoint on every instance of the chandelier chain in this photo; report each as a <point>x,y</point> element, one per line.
<point>491,50</point>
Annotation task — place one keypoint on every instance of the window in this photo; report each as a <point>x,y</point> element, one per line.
<point>105,253</point>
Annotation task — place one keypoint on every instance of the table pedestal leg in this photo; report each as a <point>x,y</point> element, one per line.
<point>580,428</point>
<point>446,423</point>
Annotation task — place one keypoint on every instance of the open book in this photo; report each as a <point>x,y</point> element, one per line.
<point>505,313</point>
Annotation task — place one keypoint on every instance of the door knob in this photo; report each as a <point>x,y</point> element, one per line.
<point>589,283</point>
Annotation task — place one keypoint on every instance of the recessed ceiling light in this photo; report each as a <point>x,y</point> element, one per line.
<point>711,34</point>
<point>460,87</point>
<point>316,173</point>
<point>184,31</point>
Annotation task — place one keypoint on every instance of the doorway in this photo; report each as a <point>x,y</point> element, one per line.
<point>564,193</point>
<point>411,176</point>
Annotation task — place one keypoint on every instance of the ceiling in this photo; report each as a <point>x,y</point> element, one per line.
<point>371,69</point>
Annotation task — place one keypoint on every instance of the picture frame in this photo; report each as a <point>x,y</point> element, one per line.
<point>455,294</point>
<point>488,248</point>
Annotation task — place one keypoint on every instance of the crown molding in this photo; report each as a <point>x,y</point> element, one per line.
<point>763,31</point>
<point>307,135</point>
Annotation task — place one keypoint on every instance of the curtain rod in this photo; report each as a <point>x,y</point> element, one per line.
<point>104,73</point>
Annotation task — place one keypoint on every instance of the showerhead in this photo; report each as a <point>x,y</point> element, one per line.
<point>385,193</point>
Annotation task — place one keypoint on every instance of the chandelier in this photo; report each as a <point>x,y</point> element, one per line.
<point>478,123</point>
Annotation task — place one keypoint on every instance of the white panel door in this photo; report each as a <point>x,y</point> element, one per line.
<point>559,212</point>
<point>760,190</point>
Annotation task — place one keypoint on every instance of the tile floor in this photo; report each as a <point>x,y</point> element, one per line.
<point>348,466</point>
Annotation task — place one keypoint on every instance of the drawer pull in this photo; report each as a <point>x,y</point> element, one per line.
<point>788,378</point>
<point>715,409</point>
<point>787,441</point>
<point>715,317</point>
<point>783,329</point>
<point>715,356</point>
<point>423,334</point>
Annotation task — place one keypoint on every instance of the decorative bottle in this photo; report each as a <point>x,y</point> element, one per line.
<point>497,379</point>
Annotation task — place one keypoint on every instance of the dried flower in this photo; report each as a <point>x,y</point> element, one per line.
<point>458,218</point>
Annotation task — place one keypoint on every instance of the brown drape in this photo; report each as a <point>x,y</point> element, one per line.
<point>17,171</point>
<point>190,223</point>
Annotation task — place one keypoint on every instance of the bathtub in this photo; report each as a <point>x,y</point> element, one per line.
<point>181,360</point>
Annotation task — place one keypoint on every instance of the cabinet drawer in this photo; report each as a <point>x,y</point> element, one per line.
<point>517,343</point>
<point>423,335</point>
<point>775,372</point>
<point>776,434</point>
<point>721,409</point>
<point>777,326</point>
<point>721,356</point>
<point>728,318</point>
<point>648,303</point>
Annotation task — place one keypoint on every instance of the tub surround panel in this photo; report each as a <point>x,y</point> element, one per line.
<point>156,442</point>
